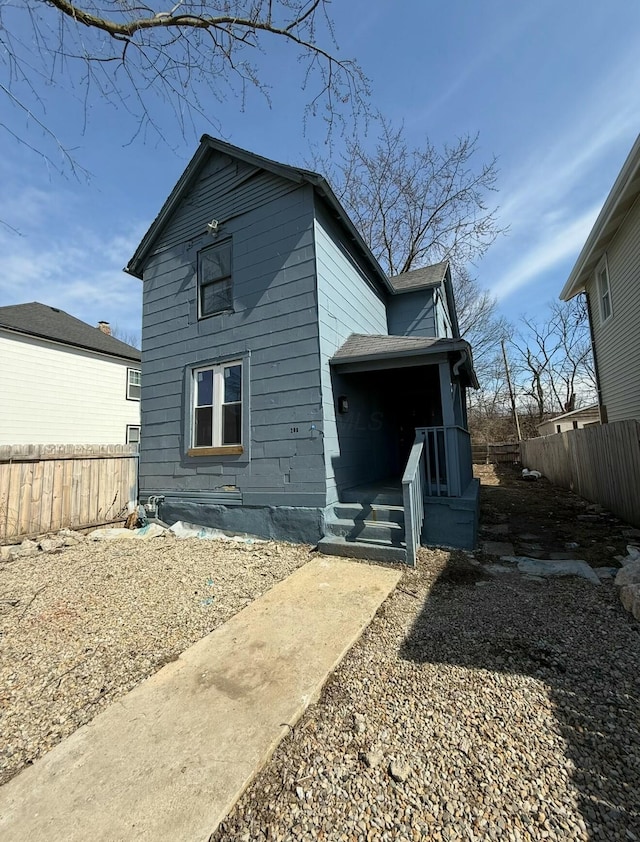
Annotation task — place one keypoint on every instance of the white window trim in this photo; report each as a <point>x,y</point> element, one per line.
<point>130,371</point>
<point>604,265</point>
<point>218,403</point>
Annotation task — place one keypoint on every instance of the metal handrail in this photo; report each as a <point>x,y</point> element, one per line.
<point>413,481</point>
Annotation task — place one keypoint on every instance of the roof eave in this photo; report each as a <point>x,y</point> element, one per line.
<point>438,347</point>
<point>130,358</point>
<point>623,194</point>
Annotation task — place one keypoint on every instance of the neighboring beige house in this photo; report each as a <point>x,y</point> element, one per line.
<point>575,420</point>
<point>608,270</point>
<point>65,382</point>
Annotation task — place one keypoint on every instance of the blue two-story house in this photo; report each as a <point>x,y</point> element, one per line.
<point>291,389</point>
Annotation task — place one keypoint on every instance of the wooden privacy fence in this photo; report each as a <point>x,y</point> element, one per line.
<point>47,487</point>
<point>600,463</point>
<point>497,453</point>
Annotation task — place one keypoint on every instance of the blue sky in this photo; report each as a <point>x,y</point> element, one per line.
<point>552,88</point>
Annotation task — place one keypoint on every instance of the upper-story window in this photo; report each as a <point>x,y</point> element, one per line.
<point>215,290</point>
<point>604,290</point>
<point>133,384</point>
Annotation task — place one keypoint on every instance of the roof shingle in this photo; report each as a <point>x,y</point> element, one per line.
<point>426,276</point>
<point>46,322</point>
<point>366,346</point>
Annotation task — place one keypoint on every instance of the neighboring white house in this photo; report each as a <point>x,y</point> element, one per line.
<point>63,381</point>
<point>575,420</point>
<point>608,270</point>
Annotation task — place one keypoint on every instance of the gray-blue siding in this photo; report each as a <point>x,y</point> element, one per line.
<point>348,302</point>
<point>412,314</point>
<point>274,325</point>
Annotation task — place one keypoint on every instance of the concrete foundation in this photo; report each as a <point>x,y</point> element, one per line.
<point>280,523</point>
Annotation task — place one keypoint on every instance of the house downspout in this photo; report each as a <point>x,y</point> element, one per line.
<point>457,366</point>
<point>464,357</point>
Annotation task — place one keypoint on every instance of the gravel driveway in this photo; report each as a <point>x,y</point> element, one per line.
<point>474,707</point>
<point>81,627</point>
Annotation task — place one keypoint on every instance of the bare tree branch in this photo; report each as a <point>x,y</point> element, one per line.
<point>138,57</point>
<point>554,364</point>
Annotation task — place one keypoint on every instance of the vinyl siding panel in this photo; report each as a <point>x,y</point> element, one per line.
<point>348,302</point>
<point>273,328</point>
<point>55,394</point>
<point>617,341</point>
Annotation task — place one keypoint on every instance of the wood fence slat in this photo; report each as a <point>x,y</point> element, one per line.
<point>57,490</point>
<point>5,498</point>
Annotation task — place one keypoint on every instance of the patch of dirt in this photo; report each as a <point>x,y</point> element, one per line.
<point>542,520</point>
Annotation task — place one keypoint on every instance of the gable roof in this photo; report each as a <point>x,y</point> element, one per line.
<point>295,174</point>
<point>623,194</point>
<point>423,278</point>
<point>46,322</point>
<point>587,411</point>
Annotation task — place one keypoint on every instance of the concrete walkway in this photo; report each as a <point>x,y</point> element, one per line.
<point>169,760</point>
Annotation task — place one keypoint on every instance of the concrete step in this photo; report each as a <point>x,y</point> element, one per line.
<point>371,551</point>
<point>379,496</point>
<point>370,530</point>
<point>373,512</point>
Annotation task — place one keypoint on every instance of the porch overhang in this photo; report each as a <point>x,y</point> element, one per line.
<point>364,352</point>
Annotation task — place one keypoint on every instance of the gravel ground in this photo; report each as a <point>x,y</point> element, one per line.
<point>512,709</point>
<point>474,707</point>
<point>81,627</point>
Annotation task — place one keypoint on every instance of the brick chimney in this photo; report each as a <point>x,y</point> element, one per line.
<point>105,327</point>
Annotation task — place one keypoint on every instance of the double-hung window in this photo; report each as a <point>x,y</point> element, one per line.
<point>215,291</point>
<point>604,290</point>
<point>216,421</point>
<point>133,384</point>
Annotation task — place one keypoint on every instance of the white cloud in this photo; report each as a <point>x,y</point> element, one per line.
<point>558,244</point>
<point>554,197</point>
<point>78,269</point>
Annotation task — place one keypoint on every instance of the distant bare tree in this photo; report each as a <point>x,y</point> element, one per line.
<point>185,55</point>
<point>554,359</point>
<point>131,337</point>
<point>490,416</point>
<point>416,206</point>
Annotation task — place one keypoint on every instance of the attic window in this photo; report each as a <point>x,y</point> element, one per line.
<point>604,291</point>
<point>215,290</point>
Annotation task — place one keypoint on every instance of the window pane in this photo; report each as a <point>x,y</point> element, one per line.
<point>134,377</point>
<point>233,383</point>
<point>204,396</point>
<point>133,435</point>
<point>215,262</point>
<point>204,427</point>
<point>231,424</point>
<point>215,297</point>
<point>133,393</point>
